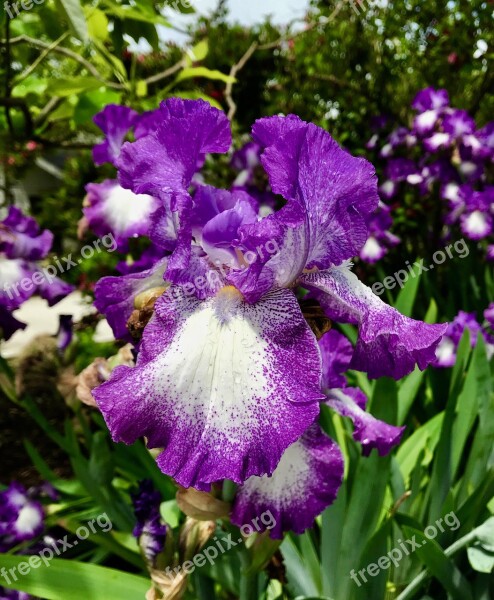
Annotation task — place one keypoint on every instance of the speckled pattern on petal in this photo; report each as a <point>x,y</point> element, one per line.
<point>305,482</point>
<point>369,431</point>
<point>223,386</point>
<point>389,344</point>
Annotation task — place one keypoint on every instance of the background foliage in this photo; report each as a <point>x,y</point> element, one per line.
<point>61,63</point>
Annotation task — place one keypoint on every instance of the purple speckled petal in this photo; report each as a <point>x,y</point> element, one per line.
<point>115,122</point>
<point>398,169</point>
<point>147,122</point>
<point>388,189</point>
<point>20,222</point>
<point>373,250</point>
<point>223,386</point>
<point>445,353</point>
<point>389,344</point>
<point>112,209</point>
<point>304,483</point>
<point>220,234</point>
<point>330,196</point>
<point>149,529</point>
<point>369,431</point>
<point>114,296</point>
<point>163,163</point>
<point>7,594</point>
<point>334,190</point>
<point>486,138</point>
<point>446,350</point>
<point>336,353</point>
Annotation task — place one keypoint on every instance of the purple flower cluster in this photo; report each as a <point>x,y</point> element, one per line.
<point>444,151</point>
<point>22,245</point>
<point>448,346</point>
<point>230,375</point>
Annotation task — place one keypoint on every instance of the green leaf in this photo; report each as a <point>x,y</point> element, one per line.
<point>198,52</point>
<point>407,393</point>
<point>30,85</point>
<point>72,487</point>
<point>74,14</point>
<point>299,578</point>
<point>406,298</point>
<point>141,89</point>
<point>74,85</point>
<point>171,513</point>
<point>90,103</point>
<point>426,437</point>
<point>439,565</point>
<point>127,12</point>
<point>333,521</point>
<point>74,580</point>
<point>192,72</point>
<point>97,24</point>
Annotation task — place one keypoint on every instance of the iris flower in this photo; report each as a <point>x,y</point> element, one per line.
<point>230,376</point>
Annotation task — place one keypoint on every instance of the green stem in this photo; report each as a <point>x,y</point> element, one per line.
<point>248,582</point>
<point>416,584</point>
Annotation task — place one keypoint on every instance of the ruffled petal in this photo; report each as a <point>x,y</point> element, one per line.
<point>304,483</point>
<point>389,344</point>
<point>335,190</point>
<point>115,122</point>
<point>163,163</point>
<point>114,296</point>
<point>223,386</point>
<point>330,196</point>
<point>369,431</point>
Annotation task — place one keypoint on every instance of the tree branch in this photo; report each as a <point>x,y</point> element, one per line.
<point>66,52</point>
<point>167,73</point>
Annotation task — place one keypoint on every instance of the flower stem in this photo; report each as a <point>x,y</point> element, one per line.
<point>416,584</point>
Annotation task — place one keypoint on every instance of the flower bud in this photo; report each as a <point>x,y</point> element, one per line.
<point>201,506</point>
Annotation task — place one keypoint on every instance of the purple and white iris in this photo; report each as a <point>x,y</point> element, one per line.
<point>108,207</point>
<point>230,376</point>
<point>22,245</point>
<point>21,517</point>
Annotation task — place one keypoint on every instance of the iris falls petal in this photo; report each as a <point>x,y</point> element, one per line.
<point>223,386</point>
